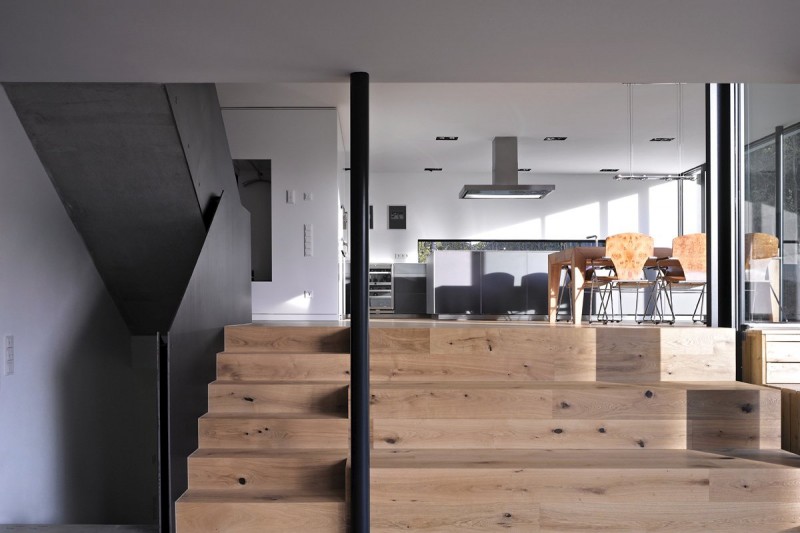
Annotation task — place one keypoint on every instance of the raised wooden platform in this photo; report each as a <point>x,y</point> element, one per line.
<point>484,427</point>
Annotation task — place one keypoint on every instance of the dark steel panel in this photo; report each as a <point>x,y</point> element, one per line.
<point>202,134</point>
<point>218,294</point>
<point>115,158</point>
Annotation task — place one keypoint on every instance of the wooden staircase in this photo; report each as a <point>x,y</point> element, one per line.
<point>274,444</point>
<point>501,427</point>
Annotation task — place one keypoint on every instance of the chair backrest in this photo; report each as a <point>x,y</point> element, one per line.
<point>690,251</point>
<point>629,252</point>
<point>759,246</point>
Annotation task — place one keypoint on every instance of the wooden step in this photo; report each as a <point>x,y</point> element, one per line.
<point>533,366</point>
<point>541,400</point>
<point>216,511</point>
<point>586,415</point>
<point>286,339</point>
<point>287,367</point>
<point>496,352</point>
<point>275,470</point>
<point>277,397</point>
<point>524,490</point>
<point>460,433</point>
<point>273,431</point>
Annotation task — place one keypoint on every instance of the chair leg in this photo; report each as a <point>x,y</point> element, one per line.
<point>699,307</point>
<point>563,290</point>
<point>781,313</point>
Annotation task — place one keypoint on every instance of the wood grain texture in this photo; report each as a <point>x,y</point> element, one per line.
<point>713,435</point>
<point>454,518</point>
<point>782,373</point>
<point>268,431</point>
<point>284,367</point>
<point>283,339</point>
<point>467,367</point>
<point>272,397</point>
<point>400,340</point>
<point>530,434</point>
<point>755,485</point>
<point>783,351</point>
<point>786,419</point>
<point>690,367</point>
<point>543,485</point>
<point>276,470</point>
<point>617,402</point>
<point>258,514</point>
<point>794,421</point>
<point>734,404</point>
<point>528,340</point>
<point>672,516</point>
<point>644,458</point>
<point>460,401</point>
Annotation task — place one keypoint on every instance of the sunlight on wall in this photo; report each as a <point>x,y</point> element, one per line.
<point>530,229</point>
<point>623,215</point>
<point>692,208</point>
<point>575,223</point>
<point>663,212</point>
<point>299,302</point>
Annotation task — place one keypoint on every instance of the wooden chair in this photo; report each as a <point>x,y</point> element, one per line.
<point>684,271</point>
<point>762,267</point>
<point>628,253</point>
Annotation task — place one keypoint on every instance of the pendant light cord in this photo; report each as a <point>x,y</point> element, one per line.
<point>630,129</point>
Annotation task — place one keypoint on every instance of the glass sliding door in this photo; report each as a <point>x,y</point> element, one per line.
<point>790,164</point>
<point>771,204</point>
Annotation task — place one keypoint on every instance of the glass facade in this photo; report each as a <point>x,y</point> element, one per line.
<point>771,203</point>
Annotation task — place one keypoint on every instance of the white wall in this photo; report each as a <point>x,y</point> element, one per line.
<point>302,144</point>
<point>77,422</point>
<point>580,206</point>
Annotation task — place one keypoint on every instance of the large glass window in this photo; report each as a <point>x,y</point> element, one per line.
<point>771,206</point>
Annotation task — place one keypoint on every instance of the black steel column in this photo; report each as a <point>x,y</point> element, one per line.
<point>721,205</point>
<point>359,302</point>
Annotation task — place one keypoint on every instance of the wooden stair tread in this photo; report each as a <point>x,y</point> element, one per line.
<point>555,385</point>
<point>245,453</point>
<point>261,496</point>
<point>293,354</point>
<point>275,416</point>
<point>238,383</point>
<point>571,459</point>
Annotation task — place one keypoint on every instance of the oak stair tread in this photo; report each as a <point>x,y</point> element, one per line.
<point>482,459</point>
<point>548,385</point>
<point>274,416</point>
<point>287,454</point>
<point>279,383</point>
<point>260,496</point>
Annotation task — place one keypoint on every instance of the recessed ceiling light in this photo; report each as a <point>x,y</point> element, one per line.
<point>433,169</point>
<point>662,139</point>
<point>555,138</point>
<point>444,138</point>
<point>609,170</point>
<point>523,170</point>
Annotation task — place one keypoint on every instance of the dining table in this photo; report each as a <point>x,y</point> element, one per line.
<point>577,258</point>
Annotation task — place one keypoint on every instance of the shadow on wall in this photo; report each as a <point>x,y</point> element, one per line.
<point>107,416</point>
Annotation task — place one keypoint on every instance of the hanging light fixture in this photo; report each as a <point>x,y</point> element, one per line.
<point>662,177</point>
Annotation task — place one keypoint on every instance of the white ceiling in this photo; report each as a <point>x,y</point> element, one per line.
<point>400,40</point>
<point>472,68</point>
<point>405,119</point>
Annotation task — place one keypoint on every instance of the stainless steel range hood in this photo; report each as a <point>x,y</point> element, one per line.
<point>505,180</point>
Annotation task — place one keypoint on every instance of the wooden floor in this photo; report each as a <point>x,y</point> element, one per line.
<point>492,426</point>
